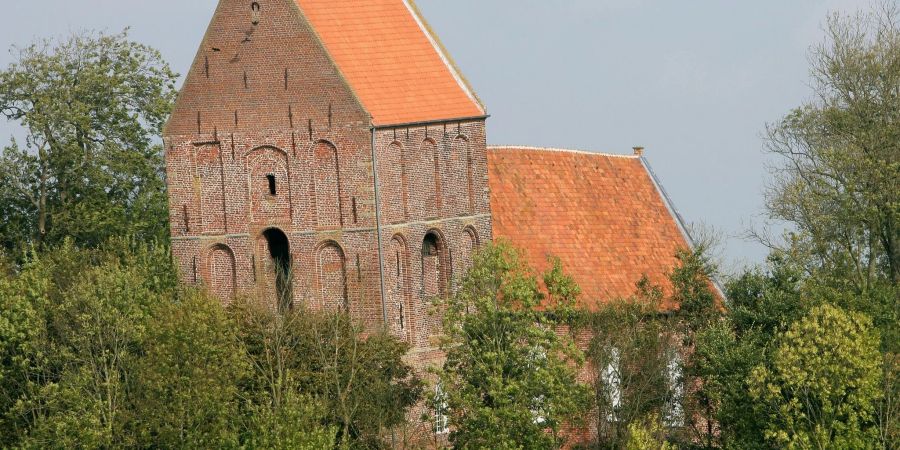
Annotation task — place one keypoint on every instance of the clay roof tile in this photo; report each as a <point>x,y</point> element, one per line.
<point>601,214</point>
<point>391,60</point>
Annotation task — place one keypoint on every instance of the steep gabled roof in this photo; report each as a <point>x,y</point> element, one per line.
<point>602,215</point>
<point>391,60</point>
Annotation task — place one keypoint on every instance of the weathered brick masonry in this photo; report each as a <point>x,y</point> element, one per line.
<point>308,132</point>
<point>270,162</point>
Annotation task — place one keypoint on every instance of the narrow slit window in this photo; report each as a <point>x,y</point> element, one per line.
<point>273,190</point>
<point>254,13</point>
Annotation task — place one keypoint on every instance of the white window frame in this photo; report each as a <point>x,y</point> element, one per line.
<point>612,379</point>
<point>441,423</point>
<point>674,415</point>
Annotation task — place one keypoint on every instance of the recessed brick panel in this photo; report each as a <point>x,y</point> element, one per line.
<point>328,192</point>
<point>332,273</point>
<point>265,207</point>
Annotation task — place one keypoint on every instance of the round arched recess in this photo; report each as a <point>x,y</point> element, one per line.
<point>279,249</point>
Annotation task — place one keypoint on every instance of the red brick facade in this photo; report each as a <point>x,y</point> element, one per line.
<point>287,165</point>
<point>270,170</point>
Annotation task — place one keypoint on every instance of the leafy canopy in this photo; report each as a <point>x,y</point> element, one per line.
<point>92,107</point>
<point>510,374</point>
<point>825,380</point>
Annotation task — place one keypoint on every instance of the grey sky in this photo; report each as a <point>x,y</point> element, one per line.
<point>694,82</point>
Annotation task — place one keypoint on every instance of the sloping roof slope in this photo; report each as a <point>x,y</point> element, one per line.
<point>601,214</point>
<point>391,60</point>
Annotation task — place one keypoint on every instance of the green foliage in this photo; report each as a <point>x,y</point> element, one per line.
<point>91,167</point>
<point>647,435</point>
<point>509,377</point>
<point>184,384</point>
<point>824,382</point>
<point>632,346</point>
<point>73,390</point>
<point>692,291</point>
<point>294,423</point>
<point>363,384</point>
<point>761,305</point>
<point>102,349</point>
<point>839,183</point>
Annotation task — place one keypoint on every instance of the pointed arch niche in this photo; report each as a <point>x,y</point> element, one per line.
<point>221,273</point>
<point>397,284</point>
<point>331,271</point>
<point>328,186</point>
<point>269,185</point>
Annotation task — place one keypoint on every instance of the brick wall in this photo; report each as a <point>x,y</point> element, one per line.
<point>267,135</point>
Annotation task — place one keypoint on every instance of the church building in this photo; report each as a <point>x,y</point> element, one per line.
<point>328,153</point>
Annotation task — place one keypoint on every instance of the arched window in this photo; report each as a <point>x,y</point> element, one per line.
<point>332,273</point>
<point>255,12</point>
<point>435,266</point>
<point>278,273</point>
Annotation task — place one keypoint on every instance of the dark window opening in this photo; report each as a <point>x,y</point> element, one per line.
<point>280,252</point>
<point>273,190</point>
<point>402,318</point>
<point>430,245</point>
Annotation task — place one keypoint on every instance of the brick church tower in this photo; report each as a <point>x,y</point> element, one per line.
<point>328,154</point>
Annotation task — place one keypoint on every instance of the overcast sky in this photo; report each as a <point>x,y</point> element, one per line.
<point>693,81</point>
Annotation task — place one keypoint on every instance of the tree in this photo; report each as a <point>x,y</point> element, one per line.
<point>839,183</point>
<point>647,435</point>
<point>824,383</point>
<point>632,349</point>
<point>364,386</point>
<point>509,380</point>
<point>185,383</point>
<point>72,387</point>
<point>91,166</point>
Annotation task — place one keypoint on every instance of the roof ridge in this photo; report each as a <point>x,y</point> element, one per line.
<point>562,150</point>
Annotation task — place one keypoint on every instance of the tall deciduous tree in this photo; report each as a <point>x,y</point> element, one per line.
<point>632,349</point>
<point>838,181</point>
<point>509,380</point>
<point>90,167</point>
<point>364,386</point>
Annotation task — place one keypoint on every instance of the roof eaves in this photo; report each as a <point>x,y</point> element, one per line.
<point>428,122</point>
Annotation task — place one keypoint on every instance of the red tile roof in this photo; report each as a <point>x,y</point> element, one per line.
<point>391,60</point>
<point>602,215</point>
